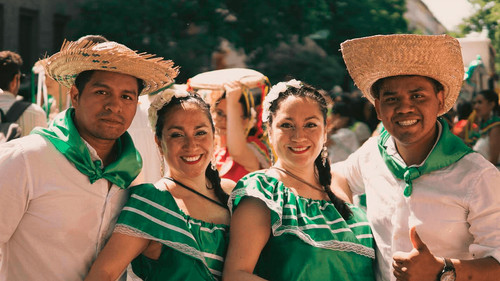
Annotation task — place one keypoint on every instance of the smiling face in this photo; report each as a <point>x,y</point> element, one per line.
<point>408,107</point>
<point>187,140</point>
<point>105,108</point>
<point>297,132</point>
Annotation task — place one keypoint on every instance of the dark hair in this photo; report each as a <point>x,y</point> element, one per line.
<point>246,113</point>
<point>211,174</point>
<point>491,96</point>
<point>464,109</point>
<point>93,38</point>
<point>84,77</point>
<point>324,172</point>
<point>10,66</point>
<point>378,84</point>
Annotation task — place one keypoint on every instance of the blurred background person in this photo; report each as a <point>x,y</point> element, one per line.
<point>341,141</point>
<point>235,98</point>
<point>10,82</point>
<point>347,118</point>
<point>463,110</point>
<point>486,109</point>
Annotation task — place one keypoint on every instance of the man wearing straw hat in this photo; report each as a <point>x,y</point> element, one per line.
<point>62,188</point>
<point>433,204</point>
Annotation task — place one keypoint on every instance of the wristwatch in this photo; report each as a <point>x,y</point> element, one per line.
<point>448,273</point>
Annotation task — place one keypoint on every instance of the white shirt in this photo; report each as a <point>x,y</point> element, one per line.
<point>344,142</point>
<point>483,147</point>
<point>144,141</point>
<point>456,210</point>
<point>53,222</point>
<point>32,117</point>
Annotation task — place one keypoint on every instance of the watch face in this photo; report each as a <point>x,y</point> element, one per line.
<point>448,276</point>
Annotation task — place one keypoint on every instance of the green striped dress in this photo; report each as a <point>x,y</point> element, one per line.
<point>310,240</point>
<point>191,249</point>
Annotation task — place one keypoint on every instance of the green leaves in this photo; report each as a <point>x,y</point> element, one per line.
<point>275,35</point>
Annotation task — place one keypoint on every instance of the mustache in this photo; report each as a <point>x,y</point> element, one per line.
<point>111,116</point>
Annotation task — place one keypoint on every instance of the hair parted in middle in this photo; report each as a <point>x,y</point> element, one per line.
<point>271,105</point>
<point>160,107</point>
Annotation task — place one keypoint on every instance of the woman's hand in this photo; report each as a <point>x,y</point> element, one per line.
<point>233,91</point>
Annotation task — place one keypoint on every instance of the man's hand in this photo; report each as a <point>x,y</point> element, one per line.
<point>418,264</point>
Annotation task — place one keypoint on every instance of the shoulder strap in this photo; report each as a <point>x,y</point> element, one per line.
<point>16,110</point>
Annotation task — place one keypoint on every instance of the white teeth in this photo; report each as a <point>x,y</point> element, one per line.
<point>407,122</point>
<point>192,158</point>
<point>298,149</point>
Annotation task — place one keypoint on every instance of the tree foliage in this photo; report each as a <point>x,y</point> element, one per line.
<point>189,31</point>
<point>487,15</point>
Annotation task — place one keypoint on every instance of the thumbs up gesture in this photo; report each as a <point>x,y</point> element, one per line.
<point>418,264</point>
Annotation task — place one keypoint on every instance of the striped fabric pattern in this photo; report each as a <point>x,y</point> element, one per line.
<point>153,214</point>
<point>315,222</point>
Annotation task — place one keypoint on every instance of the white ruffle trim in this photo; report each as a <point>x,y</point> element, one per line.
<point>279,229</point>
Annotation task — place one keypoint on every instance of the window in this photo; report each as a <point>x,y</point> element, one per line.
<point>28,38</point>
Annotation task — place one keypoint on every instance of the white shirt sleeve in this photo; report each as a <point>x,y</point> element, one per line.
<point>15,188</point>
<point>33,116</point>
<point>351,168</point>
<point>484,214</point>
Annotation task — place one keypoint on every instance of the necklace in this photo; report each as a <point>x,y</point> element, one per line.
<point>297,178</point>
<point>197,193</point>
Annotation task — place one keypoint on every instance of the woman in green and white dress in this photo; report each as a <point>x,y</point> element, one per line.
<point>176,229</point>
<point>288,222</point>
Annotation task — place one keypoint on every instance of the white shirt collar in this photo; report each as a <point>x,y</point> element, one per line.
<point>93,153</point>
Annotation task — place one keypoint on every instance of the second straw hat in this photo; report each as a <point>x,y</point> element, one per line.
<point>372,58</point>
<point>76,57</point>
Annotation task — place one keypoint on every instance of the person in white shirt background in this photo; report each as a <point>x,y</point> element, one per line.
<point>10,82</point>
<point>62,188</point>
<point>433,204</point>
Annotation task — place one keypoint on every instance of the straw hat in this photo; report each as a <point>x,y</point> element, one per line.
<point>372,58</point>
<point>210,85</point>
<point>76,57</point>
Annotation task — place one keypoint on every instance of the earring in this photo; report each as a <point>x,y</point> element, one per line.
<point>213,164</point>
<point>324,155</point>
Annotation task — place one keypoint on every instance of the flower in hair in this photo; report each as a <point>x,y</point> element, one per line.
<point>162,99</point>
<point>274,93</point>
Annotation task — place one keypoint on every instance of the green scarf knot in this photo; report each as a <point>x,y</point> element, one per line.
<point>410,174</point>
<point>448,150</point>
<point>63,134</point>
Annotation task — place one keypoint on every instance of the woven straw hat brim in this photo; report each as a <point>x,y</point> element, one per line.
<point>372,58</point>
<point>76,57</point>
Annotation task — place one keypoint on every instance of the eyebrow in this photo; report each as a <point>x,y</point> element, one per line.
<point>390,93</point>
<point>308,118</point>
<point>182,128</point>
<point>103,85</point>
<point>419,89</point>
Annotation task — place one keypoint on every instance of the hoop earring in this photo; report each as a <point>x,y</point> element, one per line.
<point>324,155</point>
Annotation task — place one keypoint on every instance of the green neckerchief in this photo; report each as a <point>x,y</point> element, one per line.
<point>448,150</point>
<point>63,134</point>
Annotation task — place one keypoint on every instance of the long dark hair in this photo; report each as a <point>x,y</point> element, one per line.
<point>491,96</point>
<point>211,173</point>
<point>324,172</point>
